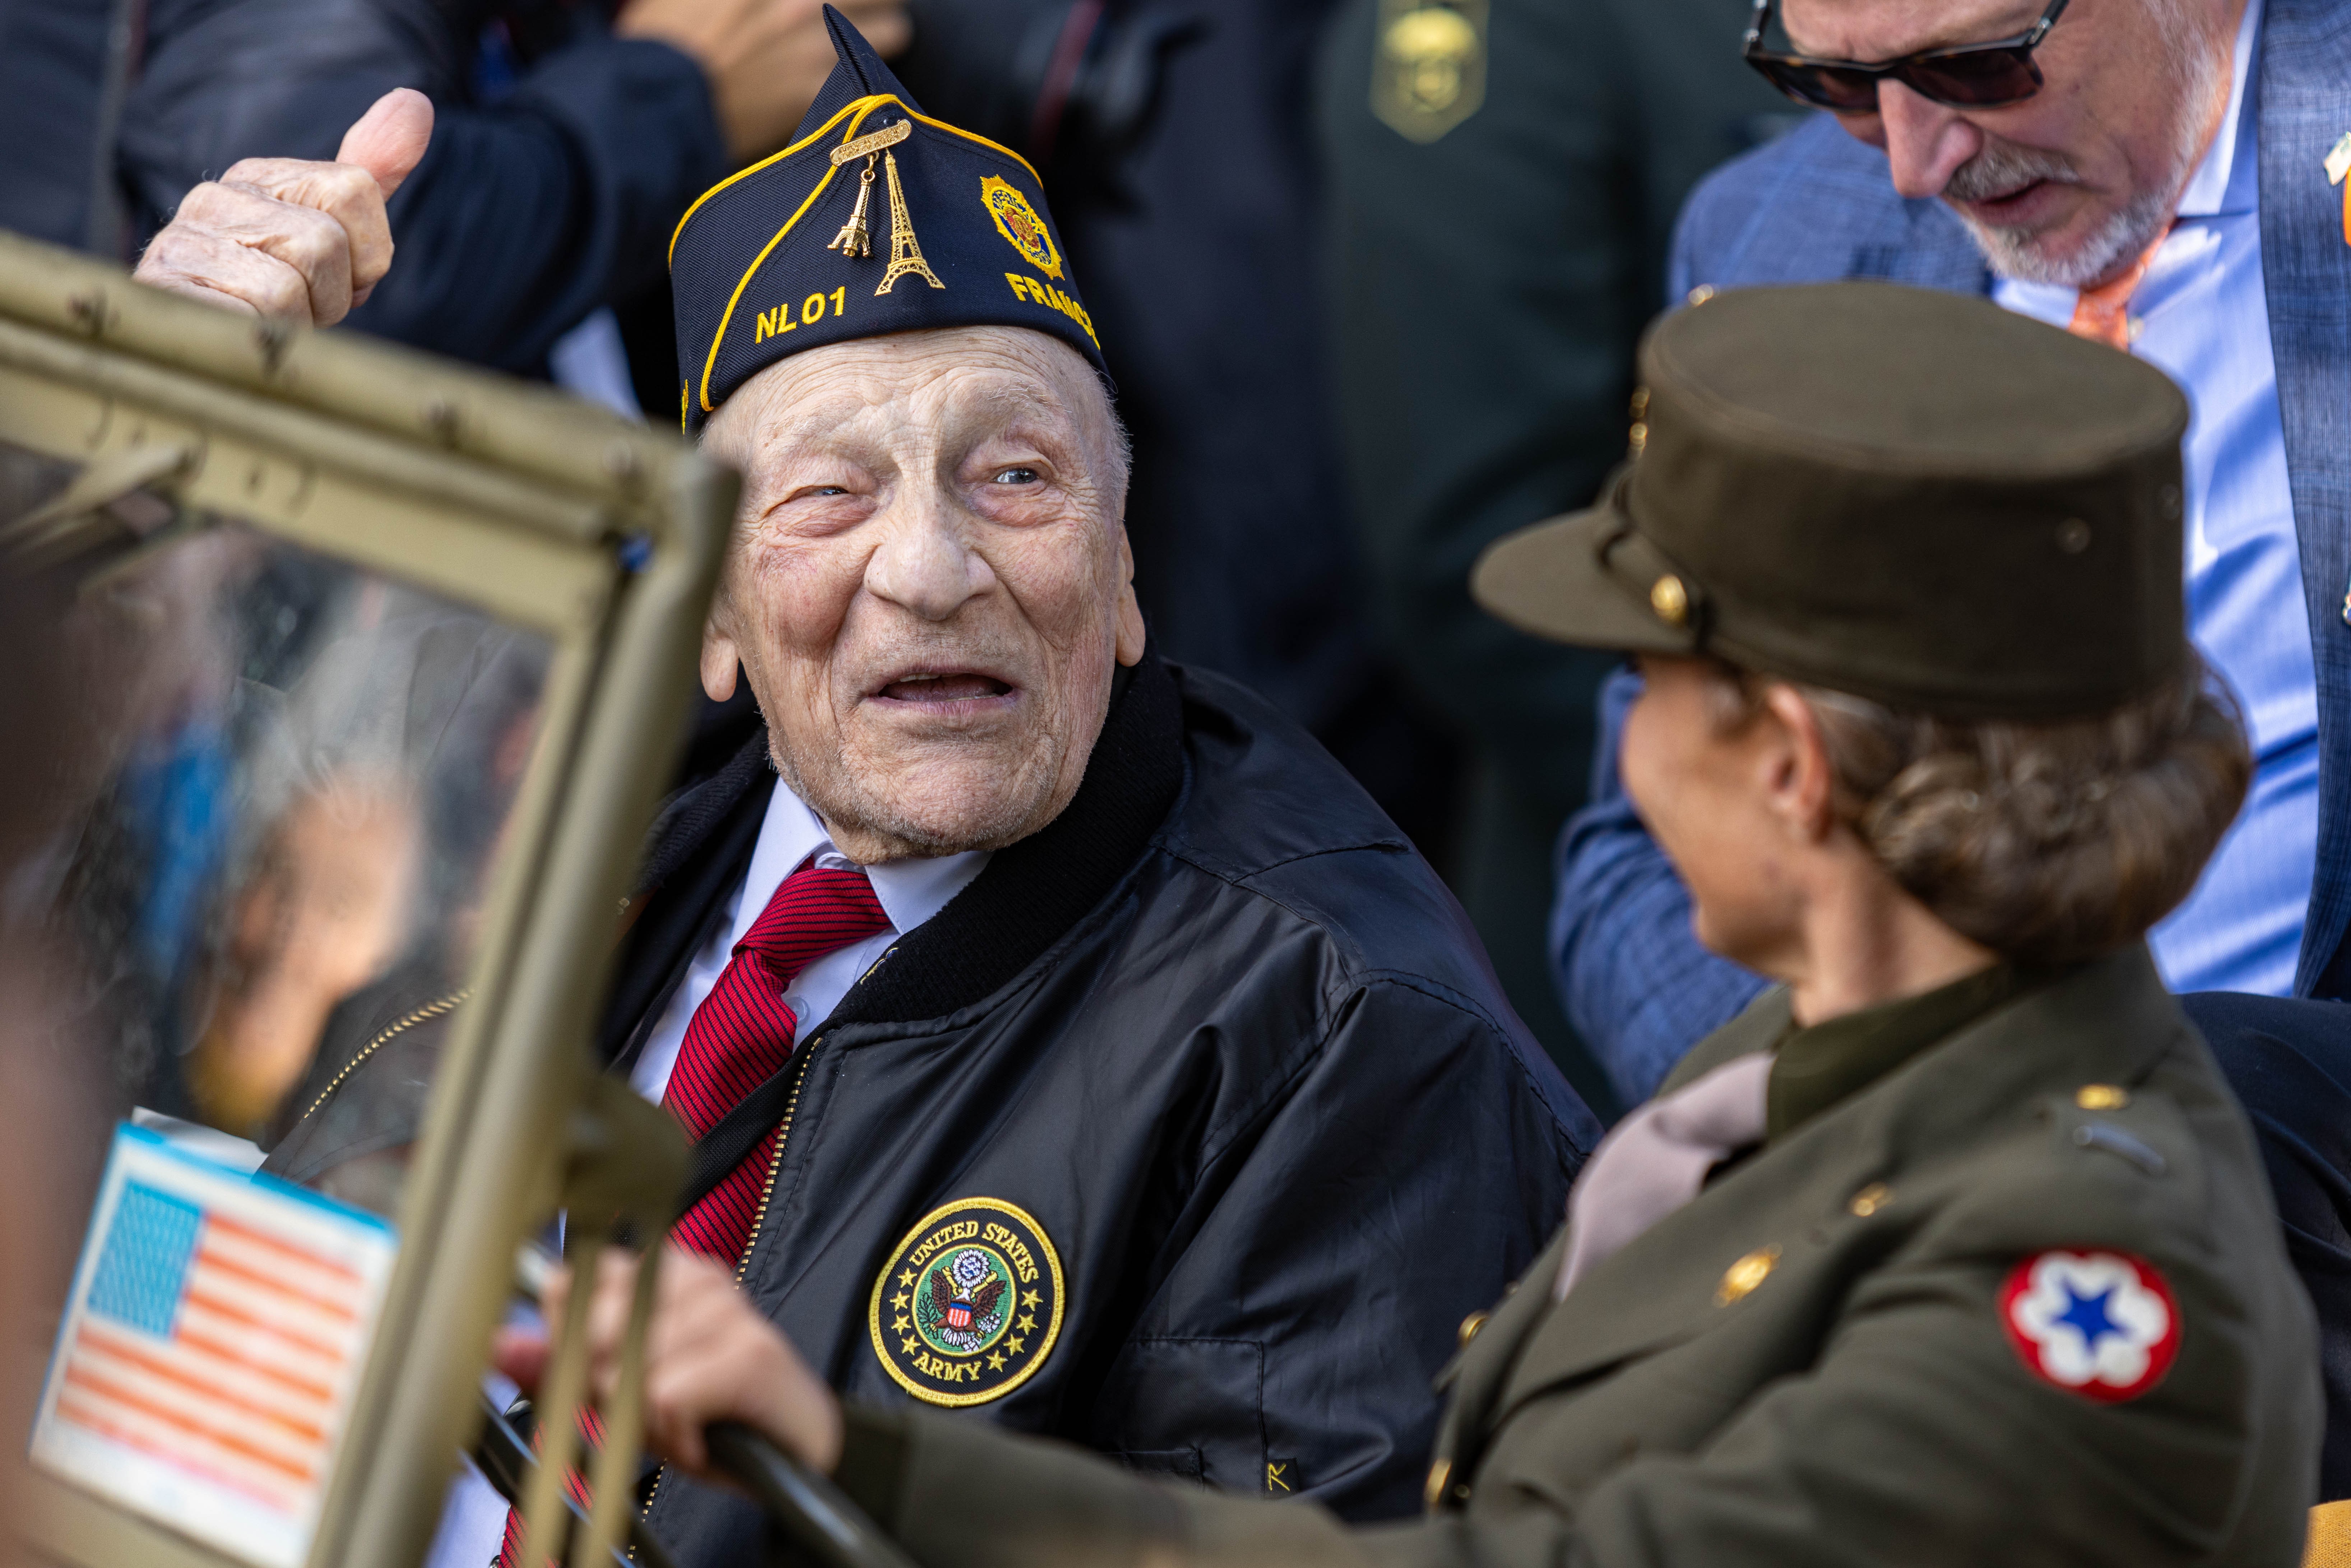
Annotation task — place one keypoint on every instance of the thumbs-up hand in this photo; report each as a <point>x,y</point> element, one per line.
<point>290,239</point>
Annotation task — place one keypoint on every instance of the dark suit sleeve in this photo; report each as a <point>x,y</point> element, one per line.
<point>527,213</point>
<point>2289,1061</point>
<point>1318,1280</point>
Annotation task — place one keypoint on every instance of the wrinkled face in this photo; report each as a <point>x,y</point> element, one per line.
<point>1698,780</point>
<point>2072,184</point>
<point>929,583</point>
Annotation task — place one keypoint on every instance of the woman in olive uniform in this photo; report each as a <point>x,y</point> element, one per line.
<point>1954,1248</point>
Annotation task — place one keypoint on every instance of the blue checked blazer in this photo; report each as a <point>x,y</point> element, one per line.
<point>1817,205</point>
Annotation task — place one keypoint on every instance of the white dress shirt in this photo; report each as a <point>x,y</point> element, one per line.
<point>473,1517</point>
<point>2200,316</point>
<point>910,891</point>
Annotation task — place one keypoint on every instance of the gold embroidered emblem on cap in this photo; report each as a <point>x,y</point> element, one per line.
<point>1017,222</point>
<point>969,1303</point>
<point>1670,600</point>
<point>1741,1277</point>
<point>1428,65</point>
<point>2101,1097</point>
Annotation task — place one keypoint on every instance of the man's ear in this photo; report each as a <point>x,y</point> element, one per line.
<point>1129,612</point>
<point>719,660</point>
<point>1800,783</point>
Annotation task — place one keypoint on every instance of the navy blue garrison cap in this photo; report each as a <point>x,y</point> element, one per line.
<point>875,219</point>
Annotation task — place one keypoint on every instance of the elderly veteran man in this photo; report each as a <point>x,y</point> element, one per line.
<point>1069,1042</point>
<point>1953,1249</point>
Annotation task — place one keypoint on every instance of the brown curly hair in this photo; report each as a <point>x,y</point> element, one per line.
<point>2047,842</point>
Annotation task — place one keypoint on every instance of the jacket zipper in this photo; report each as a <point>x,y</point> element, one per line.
<point>758,1223</point>
<point>429,1011</point>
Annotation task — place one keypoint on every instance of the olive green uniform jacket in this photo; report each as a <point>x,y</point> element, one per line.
<point>1807,1363</point>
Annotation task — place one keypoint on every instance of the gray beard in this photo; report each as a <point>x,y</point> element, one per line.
<point>2131,231</point>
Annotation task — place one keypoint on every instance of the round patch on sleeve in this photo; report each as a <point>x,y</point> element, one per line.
<point>970,1303</point>
<point>2100,1324</point>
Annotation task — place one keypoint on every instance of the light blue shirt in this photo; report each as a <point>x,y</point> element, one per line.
<point>2200,316</point>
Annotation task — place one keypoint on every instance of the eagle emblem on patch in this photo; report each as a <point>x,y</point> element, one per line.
<point>969,1304</point>
<point>2101,1324</point>
<point>1017,222</point>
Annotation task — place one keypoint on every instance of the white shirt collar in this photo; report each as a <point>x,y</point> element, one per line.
<point>910,891</point>
<point>2214,188</point>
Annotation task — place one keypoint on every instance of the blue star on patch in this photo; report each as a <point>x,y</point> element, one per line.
<point>2087,1316</point>
<point>2103,1325</point>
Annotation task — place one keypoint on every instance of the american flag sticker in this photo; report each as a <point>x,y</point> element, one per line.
<point>211,1349</point>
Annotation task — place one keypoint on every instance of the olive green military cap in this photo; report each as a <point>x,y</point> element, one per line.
<point>1911,496</point>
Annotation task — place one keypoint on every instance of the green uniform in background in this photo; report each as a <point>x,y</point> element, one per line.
<point>1504,179</point>
<point>1824,1358</point>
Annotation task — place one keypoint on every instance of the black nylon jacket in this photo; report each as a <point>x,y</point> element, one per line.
<point>1224,1037</point>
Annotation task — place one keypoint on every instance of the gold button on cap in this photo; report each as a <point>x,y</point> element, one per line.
<point>1870,1199</point>
<point>1439,1474</point>
<point>2101,1097</point>
<point>1472,1325</point>
<point>1743,1276</point>
<point>1670,600</point>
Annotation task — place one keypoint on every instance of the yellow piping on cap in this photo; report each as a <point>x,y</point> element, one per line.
<point>811,138</point>
<point>856,113</point>
<point>710,363</point>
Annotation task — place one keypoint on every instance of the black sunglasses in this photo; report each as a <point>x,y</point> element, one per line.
<point>1972,75</point>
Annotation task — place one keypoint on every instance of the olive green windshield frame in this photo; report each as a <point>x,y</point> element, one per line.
<point>504,495</point>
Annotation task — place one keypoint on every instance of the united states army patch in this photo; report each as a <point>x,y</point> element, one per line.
<point>2100,1324</point>
<point>970,1303</point>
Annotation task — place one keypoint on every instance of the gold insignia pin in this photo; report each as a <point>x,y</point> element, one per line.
<point>1670,600</point>
<point>871,142</point>
<point>1428,65</point>
<point>2101,1097</point>
<point>905,251</point>
<point>1740,1279</point>
<point>1870,1199</point>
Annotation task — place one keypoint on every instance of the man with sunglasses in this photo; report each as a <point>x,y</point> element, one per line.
<point>2156,174</point>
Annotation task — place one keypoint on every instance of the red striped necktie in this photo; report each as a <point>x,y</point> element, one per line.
<point>742,1035</point>
<point>739,1036</point>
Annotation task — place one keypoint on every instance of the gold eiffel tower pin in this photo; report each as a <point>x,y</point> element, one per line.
<point>906,250</point>
<point>852,240</point>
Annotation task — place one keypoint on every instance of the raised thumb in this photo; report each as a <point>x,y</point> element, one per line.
<point>390,137</point>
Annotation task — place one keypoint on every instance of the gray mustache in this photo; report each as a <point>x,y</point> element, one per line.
<point>2002,170</point>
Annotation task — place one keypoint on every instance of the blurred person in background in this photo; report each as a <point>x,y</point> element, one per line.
<point>53,1114</point>
<point>570,139</point>
<point>1177,144</point>
<point>2165,177</point>
<point>1503,181</point>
